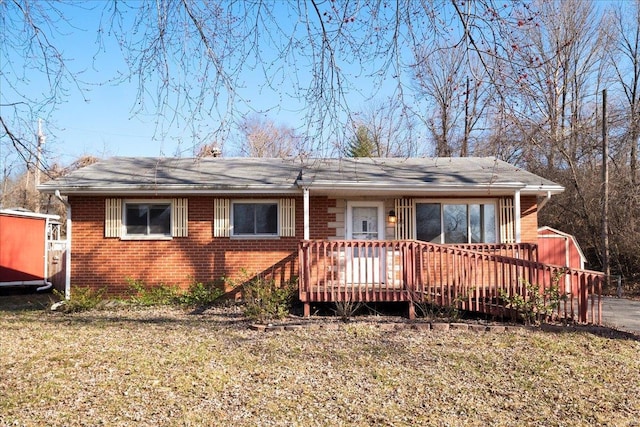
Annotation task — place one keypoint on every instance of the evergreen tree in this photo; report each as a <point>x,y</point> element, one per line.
<point>361,145</point>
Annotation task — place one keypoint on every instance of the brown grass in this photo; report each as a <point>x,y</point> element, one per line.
<point>168,367</point>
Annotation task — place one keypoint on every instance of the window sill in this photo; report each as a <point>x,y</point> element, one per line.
<point>255,237</point>
<point>146,238</point>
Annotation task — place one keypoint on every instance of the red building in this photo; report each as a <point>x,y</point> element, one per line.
<point>24,248</point>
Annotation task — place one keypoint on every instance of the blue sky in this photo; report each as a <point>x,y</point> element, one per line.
<point>100,120</point>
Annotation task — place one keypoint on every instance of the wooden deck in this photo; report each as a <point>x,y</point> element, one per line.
<point>478,278</point>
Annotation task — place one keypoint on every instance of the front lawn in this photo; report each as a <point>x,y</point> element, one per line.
<point>166,366</point>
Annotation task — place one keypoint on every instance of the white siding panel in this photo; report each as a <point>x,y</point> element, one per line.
<point>180,217</point>
<point>221,222</point>
<point>113,218</point>
<point>287,217</point>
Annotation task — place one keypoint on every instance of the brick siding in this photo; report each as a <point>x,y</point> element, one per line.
<point>529,219</point>
<point>100,262</point>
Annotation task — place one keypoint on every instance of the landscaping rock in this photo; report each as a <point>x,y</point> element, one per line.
<point>421,326</point>
<point>460,326</point>
<point>440,326</point>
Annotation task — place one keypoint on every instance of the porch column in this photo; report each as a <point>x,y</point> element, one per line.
<point>516,208</point>
<point>305,198</point>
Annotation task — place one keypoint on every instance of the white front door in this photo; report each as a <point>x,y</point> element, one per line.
<point>365,221</point>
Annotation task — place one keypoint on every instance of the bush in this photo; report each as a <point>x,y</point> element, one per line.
<point>161,294</point>
<point>82,299</point>
<point>346,309</point>
<point>201,294</point>
<point>265,301</point>
<point>534,306</point>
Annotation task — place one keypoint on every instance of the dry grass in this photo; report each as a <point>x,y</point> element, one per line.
<point>169,367</point>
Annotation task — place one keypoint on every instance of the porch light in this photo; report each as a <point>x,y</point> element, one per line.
<point>392,217</point>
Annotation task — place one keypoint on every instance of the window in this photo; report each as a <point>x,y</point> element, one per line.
<point>429,226</point>
<point>364,223</point>
<point>456,222</point>
<point>148,219</point>
<point>254,218</point>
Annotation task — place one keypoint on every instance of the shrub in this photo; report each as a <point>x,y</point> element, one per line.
<point>431,309</point>
<point>533,305</point>
<point>265,301</point>
<point>201,294</point>
<point>143,295</point>
<point>82,299</point>
<point>346,309</point>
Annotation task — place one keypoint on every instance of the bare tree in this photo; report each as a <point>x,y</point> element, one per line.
<point>387,125</point>
<point>626,62</point>
<point>190,59</point>
<point>457,87</point>
<point>550,96</point>
<point>263,138</point>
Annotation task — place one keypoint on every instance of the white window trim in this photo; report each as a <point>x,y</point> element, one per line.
<point>363,203</point>
<point>125,236</point>
<point>467,202</point>
<point>254,236</point>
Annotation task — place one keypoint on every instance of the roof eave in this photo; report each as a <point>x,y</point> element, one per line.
<point>542,189</point>
<point>168,190</point>
<point>26,214</point>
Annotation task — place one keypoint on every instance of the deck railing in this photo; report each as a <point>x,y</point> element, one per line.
<point>528,251</point>
<point>478,278</point>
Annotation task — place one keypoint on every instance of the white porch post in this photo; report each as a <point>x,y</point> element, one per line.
<point>67,273</point>
<point>305,195</point>
<point>516,208</point>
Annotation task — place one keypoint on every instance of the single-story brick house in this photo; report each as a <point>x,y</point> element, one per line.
<point>350,229</point>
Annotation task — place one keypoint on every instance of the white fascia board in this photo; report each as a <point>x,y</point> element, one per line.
<point>414,188</point>
<point>170,190</point>
<point>28,214</point>
<point>542,190</point>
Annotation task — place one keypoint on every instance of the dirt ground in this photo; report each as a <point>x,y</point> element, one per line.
<point>25,298</point>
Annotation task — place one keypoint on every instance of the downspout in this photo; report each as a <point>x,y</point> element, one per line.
<point>67,272</point>
<point>47,284</point>
<point>544,201</point>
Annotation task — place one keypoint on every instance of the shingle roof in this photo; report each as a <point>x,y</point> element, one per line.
<point>272,175</point>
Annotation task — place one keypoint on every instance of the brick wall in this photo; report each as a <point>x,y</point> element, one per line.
<point>101,262</point>
<point>529,219</point>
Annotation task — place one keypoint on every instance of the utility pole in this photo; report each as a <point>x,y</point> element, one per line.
<point>465,141</point>
<point>605,191</point>
<point>40,142</point>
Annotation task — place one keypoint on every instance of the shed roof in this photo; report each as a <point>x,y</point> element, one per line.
<point>19,212</point>
<point>150,175</point>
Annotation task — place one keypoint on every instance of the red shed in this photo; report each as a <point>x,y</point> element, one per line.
<point>559,248</point>
<point>23,248</point>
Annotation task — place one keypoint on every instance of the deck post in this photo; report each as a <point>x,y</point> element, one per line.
<point>305,204</point>
<point>583,298</point>
<point>412,311</point>
<point>307,309</point>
